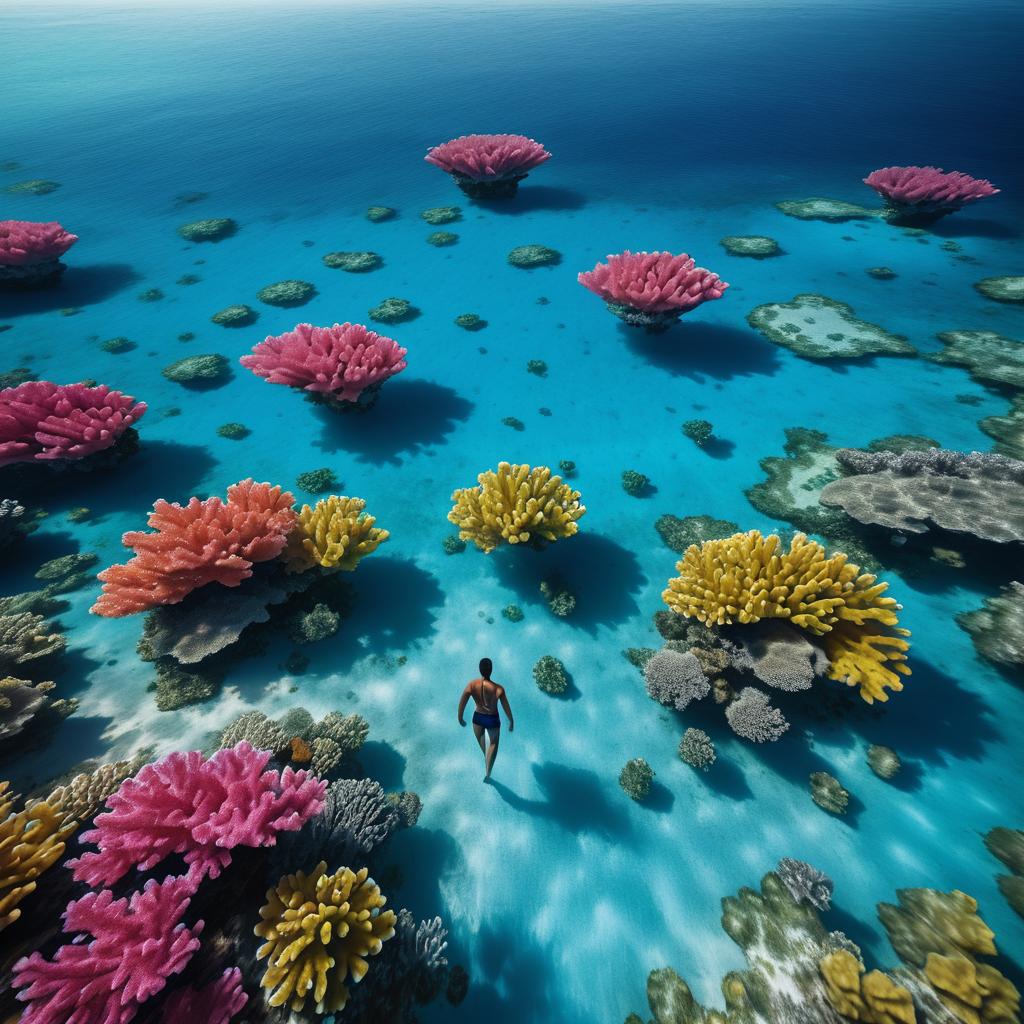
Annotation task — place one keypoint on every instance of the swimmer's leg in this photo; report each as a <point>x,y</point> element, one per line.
<point>478,732</point>
<point>492,751</point>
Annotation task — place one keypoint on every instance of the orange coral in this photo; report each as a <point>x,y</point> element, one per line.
<point>301,752</point>
<point>209,541</point>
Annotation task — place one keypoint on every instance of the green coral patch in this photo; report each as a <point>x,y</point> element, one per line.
<point>352,262</point>
<point>990,358</point>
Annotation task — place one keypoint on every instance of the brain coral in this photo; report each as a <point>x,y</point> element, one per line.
<point>747,577</point>
<point>488,166</point>
<point>652,288</point>
<point>516,504</point>
<point>319,929</point>
<point>199,543</point>
<point>335,534</point>
<point>338,365</point>
<point>920,195</point>
<point>44,421</point>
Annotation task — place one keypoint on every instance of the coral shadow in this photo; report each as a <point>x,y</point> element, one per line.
<point>718,448</point>
<point>382,762</point>
<point>574,799</point>
<point>660,798</point>
<point>724,778</point>
<point>699,350</point>
<point>862,933</point>
<point>974,227</point>
<point>80,286</point>
<point>409,416</point>
<point>535,197</point>
<point>601,574</point>
<point>74,740</point>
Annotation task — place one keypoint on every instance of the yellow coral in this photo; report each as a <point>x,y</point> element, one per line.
<point>319,928</point>
<point>747,577</point>
<point>515,504</point>
<point>31,840</point>
<point>335,534</point>
<point>874,998</point>
<point>975,993</point>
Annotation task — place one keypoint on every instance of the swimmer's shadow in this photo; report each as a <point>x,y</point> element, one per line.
<point>574,799</point>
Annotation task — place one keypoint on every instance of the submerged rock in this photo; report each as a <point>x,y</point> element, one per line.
<point>442,214</point>
<point>997,629</point>
<point>286,293</point>
<point>529,256</point>
<point>33,187</point>
<point>380,213</point>
<point>756,246</point>
<point>828,793</point>
<point>817,208</point>
<point>393,311</point>
<point>211,230</point>
<point>990,358</point>
<point>883,761</point>
<point>353,262</point>
<point>1007,430</point>
<point>238,315</point>
<point>202,370</point>
<point>679,534</point>
<point>1002,289</point>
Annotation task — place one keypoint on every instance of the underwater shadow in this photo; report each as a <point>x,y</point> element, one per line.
<point>699,350</point>
<point>535,197</point>
<point>660,798</point>
<point>725,779</point>
<point>718,448</point>
<point>973,227</point>
<point>574,800</point>
<point>854,927</point>
<point>380,761</point>
<point>72,741</point>
<point>409,415</point>
<point>80,286</point>
<point>601,574</point>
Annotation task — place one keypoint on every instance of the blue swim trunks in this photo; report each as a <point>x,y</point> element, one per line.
<point>487,721</point>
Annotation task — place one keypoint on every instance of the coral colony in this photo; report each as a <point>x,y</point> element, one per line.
<point>247,879</point>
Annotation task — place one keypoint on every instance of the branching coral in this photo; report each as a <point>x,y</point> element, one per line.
<point>318,930</point>
<point>137,944</point>
<point>334,534</point>
<point>202,542</point>
<point>43,421</point>
<point>215,1003</point>
<point>488,166</point>
<point>81,797</point>
<point>30,253</point>
<point>199,808</point>
<point>31,840</point>
<point>341,365</point>
<point>24,638</point>
<point>652,289</point>
<point>752,717</point>
<point>516,505</point>
<point>747,577</point>
<point>916,196</point>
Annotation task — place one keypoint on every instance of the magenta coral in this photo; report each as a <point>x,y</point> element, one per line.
<point>42,421</point>
<point>30,252</point>
<point>488,166</point>
<point>201,809</point>
<point>203,542</point>
<point>652,289</point>
<point>343,365</point>
<point>215,1003</point>
<point>921,195</point>
<point>137,944</point>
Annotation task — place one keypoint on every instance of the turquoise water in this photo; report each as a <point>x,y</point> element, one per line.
<point>670,129</point>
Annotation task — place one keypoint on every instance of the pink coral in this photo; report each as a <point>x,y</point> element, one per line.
<point>652,286</point>
<point>201,809</point>
<point>215,1003</point>
<point>337,364</point>
<point>925,192</point>
<point>41,420</point>
<point>138,943</point>
<point>25,243</point>
<point>479,157</point>
<point>203,542</point>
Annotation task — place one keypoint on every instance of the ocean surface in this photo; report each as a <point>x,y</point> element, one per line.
<point>671,126</point>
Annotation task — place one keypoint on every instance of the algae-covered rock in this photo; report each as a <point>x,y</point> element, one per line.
<point>636,778</point>
<point>440,239</point>
<point>881,273</point>
<point>817,327</point>
<point>828,793</point>
<point>18,375</point>
<point>537,367</point>
<point>442,214</point>
<point>233,431</point>
<point>470,322</point>
<point>550,675</point>
<point>380,213</point>
<point>883,761</point>
<point>205,369</point>
<point>393,311</point>
<point>697,749</point>
<point>317,481</point>
<point>150,295</point>
<point>817,208</point>
<point>238,315</point>
<point>679,534</point>
<point>453,544</point>
<point>512,612</point>
<point>286,293</point>
<point>1007,430</point>
<point>33,187</point>
<point>561,601</point>
<point>353,262</point>
<point>528,256</point>
<point>634,483</point>
<point>997,629</point>
<point>1002,289</point>
<point>118,345</point>
<point>758,247</point>
<point>990,358</point>
<point>176,687</point>
<point>211,230</point>
<point>698,431</point>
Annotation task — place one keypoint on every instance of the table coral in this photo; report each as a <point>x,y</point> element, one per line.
<point>318,930</point>
<point>488,166</point>
<point>516,505</point>
<point>376,214</point>
<point>31,840</point>
<point>336,533</point>
<point>42,421</point>
<point>30,253</point>
<point>441,214</point>
<point>342,366</point>
<point>196,544</point>
<point>745,578</point>
<point>652,289</point>
<point>919,196</point>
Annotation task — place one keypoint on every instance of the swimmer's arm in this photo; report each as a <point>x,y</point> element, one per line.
<point>508,709</point>
<point>462,705</point>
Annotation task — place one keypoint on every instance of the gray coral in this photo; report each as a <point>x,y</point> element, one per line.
<point>24,638</point>
<point>675,679</point>
<point>805,882</point>
<point>997,629</point>
<point>753,718</point>
<point>976,493</point>
<point>697,749</point>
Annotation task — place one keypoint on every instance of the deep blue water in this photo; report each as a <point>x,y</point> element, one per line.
<point>671,126</point>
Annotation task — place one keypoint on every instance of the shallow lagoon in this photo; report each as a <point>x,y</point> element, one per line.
<point>559,892</point>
